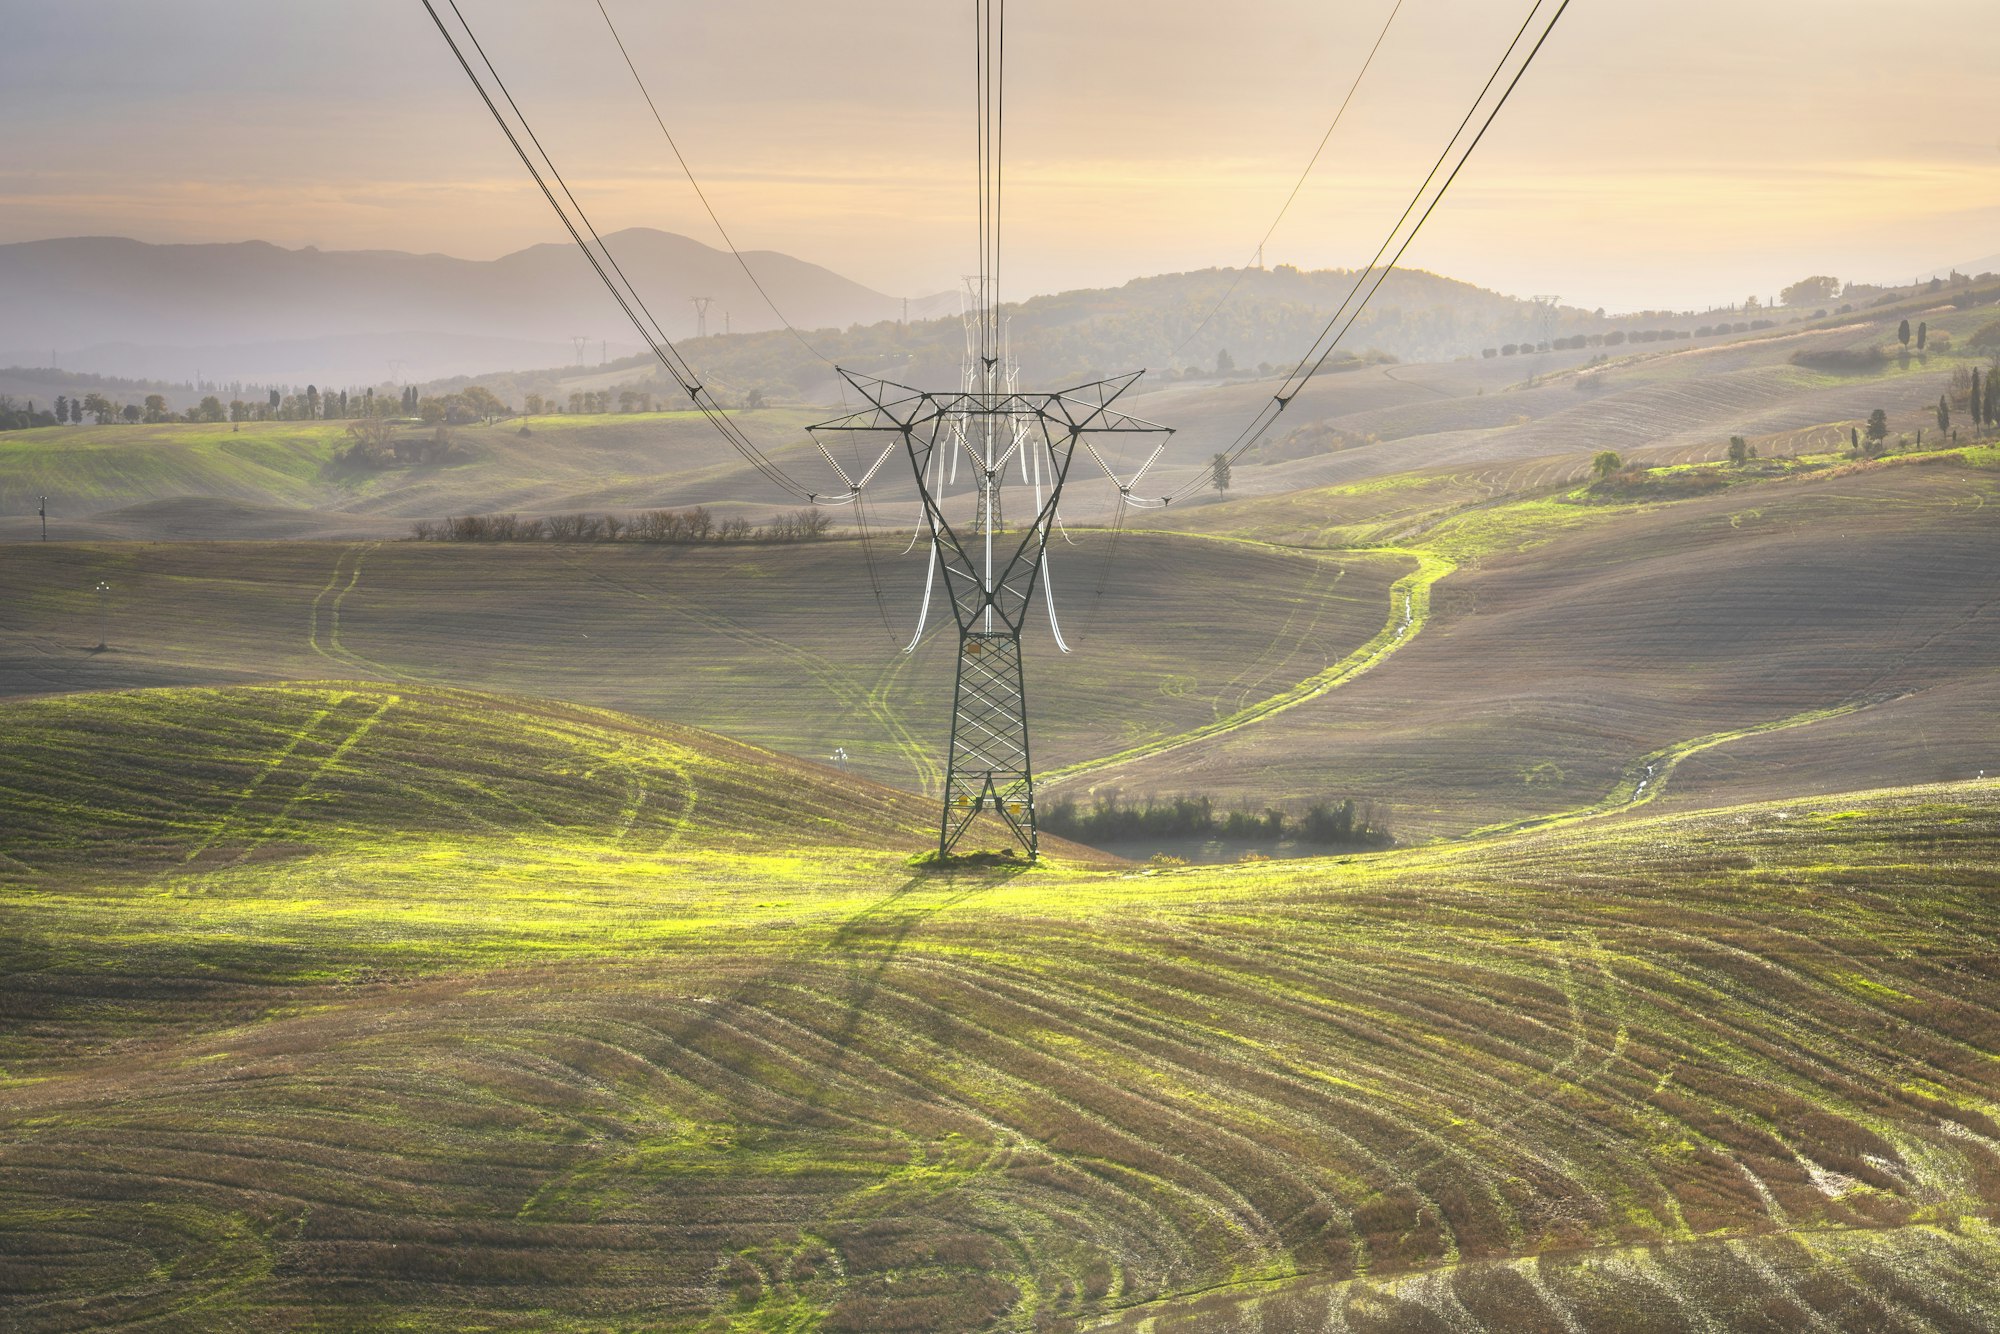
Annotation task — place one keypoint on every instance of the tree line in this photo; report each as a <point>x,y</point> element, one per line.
<point>471,404</point>
<point>689,527</point>
<point>1108,820</point>
<point>458,407</point>
<point>1619,337</point>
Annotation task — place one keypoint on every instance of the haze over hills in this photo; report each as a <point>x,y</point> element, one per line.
<point>536,1007</point>
<point>1984,265</point>
<point>252,310</point>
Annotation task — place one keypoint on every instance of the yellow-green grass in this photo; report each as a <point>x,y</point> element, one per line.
<point>84,469</point>
<point>781,645</point>
<point>351,1006</point>
<point>617,462</point>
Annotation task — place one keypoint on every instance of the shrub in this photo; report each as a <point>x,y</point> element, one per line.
<point>1842,360</point>
<point>1639,482</point>
<point>1195,816</point>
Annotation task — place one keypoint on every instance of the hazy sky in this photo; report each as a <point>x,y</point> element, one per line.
<point>1661,153</point>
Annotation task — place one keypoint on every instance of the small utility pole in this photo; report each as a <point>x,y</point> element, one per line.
<point>103,615</point>
<point>42,510</point>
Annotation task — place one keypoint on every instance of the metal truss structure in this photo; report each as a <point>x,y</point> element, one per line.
<point>991,573</point>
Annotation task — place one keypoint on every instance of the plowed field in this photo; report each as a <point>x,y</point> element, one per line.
<point>369,1006</point>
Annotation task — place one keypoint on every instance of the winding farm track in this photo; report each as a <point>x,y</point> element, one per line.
<point>1575,643</point>
<point>325,612</point>
<point>1409,603</point>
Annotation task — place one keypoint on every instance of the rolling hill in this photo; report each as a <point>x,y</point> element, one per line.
<point>782,645</point>
<point>1575,643</point>
<point>1501,425</point>
<point>384,1005</point>
<point>487,987</point>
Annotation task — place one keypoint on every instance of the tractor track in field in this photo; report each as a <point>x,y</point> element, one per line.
<point>850,694</point>
<point>1647,776</point>
<point>323,612</point>
<point>1290,637</point>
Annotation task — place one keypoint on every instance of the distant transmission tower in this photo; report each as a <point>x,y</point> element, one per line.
<point>1548,305</point>
<point>582,342</point>
<point>701,305</point>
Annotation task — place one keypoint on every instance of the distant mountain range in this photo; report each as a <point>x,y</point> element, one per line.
<point>250,315</point>
<point>252,311</point>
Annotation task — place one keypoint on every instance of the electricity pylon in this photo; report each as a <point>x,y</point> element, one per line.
<point>991,575</point>
<point>1547,301</point>
<point>701,305</point>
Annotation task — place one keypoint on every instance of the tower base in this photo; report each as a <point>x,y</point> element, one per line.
<point>989,768</point>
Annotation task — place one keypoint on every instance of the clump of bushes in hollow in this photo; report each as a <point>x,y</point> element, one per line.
<point>1109,820</point>
<point>680,527</point>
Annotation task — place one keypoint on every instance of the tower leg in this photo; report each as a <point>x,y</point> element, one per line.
<point>989,767</point>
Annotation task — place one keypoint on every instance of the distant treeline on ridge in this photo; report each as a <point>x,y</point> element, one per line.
<point>682,527</point>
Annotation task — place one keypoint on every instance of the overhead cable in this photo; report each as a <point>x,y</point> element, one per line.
<point>576,222</point>
<point>1356,300</point>
<point>701,194</point>
<point>1297,185</point>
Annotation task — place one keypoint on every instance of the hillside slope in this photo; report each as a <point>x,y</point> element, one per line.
<point>1577,641</point>
<point>1495,425</point>
<point>515,1063</point>
<point>780,645</point>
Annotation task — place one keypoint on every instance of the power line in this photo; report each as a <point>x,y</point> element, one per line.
<point>699,192</point>
<point>621,291</point>
<point>1329,338</point>
<point>1297,185</point>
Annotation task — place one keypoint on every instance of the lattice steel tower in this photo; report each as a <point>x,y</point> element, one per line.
<point>989,426</point>
<point>993,429</point>
<point>991,574</point>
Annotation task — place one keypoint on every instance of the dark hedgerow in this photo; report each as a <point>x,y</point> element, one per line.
<point>679,527</point>
<point>1342,823</point>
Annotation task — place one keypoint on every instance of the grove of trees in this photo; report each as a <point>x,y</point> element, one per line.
<point>1813,291</point>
